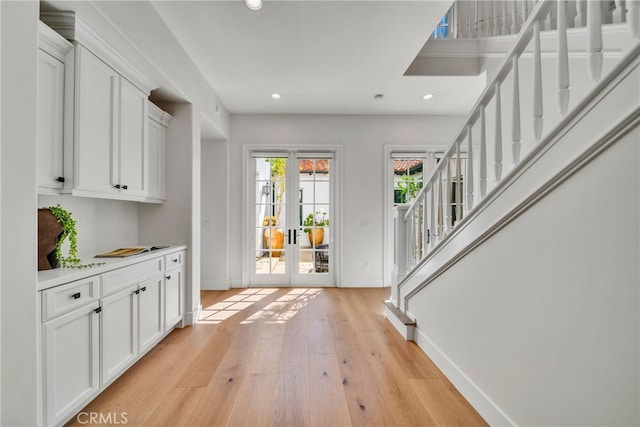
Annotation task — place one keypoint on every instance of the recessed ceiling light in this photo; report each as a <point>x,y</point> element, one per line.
<point>428,96</point>
<point>254,4</point>
<point>275,96</point>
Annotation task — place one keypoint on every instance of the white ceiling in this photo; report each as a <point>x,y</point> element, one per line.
<point>324,57</point>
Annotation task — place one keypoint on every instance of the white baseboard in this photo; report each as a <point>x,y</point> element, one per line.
<point>237,283</point>
<point>362,283</point>
<point>481,403</point>
<point>213,285</point>
<point>191,318</point>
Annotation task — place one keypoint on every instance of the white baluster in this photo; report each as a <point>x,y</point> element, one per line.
<point>515,128</point>
<point>432,219</point>
<point>607,12</point>
<point>469,175</point>
<point>458,183</point>
<point>506,20</point>
<point>488,18</point>
<point>422,223</point>
<point>443,228</point>
<point>633,17</point>
<point>483,154</point>
<point>594,39</point>
<point>524,10</point>
<point>498,136</point>
<point>515,20</point>
<point>449,200</point>
<point>537,83</point>
<point>425,225</point>
<point>581,16</point>
<point>497,18</point>
<point>410,240</point>
<point>401,265</point>
<point>572,12</point>
<point>440,229</point>
<point>470,21</point>
<point>479,27</point>
<point>552,18</point>
<point>563,59</point>
<point>459,19</point>
<point>619,13</point>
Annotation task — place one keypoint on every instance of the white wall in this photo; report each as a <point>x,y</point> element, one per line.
<point>543,317</point>
<point>214,266</point>
<point>362,139</point>
<point>102,224</point>
<point>19,38</point>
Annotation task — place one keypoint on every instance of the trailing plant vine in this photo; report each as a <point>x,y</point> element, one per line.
<point>68,230</point>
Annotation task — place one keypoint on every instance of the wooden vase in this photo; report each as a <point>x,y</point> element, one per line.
<point>274,239</point>
<point>316,236</point>
<point>49,233</point>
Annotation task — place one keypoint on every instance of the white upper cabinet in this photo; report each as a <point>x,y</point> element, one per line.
<point>133,141</point>
<point>156,152</point>
<point>105,126</point>
<point>51,67</point>
<point>95,141</point>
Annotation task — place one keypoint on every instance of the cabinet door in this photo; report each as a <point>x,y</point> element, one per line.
<point>96,124</point>
<point>151,312</point>
<point>71,360</point>
<point>133,129</point>
<point>119,335</point>
<point>50,122</point>
<point>173,297</point>
<point>157,135</point>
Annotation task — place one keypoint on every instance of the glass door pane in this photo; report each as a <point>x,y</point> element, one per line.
<point>314,212</point>
<point>270,217</point>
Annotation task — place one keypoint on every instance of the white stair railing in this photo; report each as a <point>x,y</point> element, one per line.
<point>486,18</point>
<point>440,207</point>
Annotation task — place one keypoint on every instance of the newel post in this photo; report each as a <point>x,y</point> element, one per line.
<point>400,250</point>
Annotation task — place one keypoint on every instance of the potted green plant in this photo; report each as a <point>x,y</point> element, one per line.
<point>313,226</point>
<point>55,225</point>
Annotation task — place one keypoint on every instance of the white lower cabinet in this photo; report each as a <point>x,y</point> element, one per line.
<point>132,322</point>
<point>173,295</point>
<point>151,313</point>
<point>92,333</point>
<point>119,332</point>
<point>71,361</point>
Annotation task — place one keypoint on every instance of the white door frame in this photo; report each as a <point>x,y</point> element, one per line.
<point>387,199</point>
<point>248,254</point>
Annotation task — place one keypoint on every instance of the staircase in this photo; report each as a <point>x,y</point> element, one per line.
<point>522,285</point>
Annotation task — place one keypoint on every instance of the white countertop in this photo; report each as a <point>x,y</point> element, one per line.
<point>50,278</point>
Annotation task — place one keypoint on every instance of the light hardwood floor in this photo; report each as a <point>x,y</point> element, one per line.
<point>286,357</point>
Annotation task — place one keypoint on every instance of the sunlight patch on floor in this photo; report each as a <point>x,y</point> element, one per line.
<point>234,304</point>
<point>285,307</point>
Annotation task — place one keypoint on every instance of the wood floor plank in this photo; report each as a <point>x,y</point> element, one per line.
<point>287,357</point>
<point>328,406</point>
<point>443,406</point>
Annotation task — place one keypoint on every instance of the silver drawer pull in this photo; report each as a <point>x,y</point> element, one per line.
<point>76,295</point>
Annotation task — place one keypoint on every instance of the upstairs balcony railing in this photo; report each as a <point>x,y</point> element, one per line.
<point>487,18</point>
<point>474,165</point>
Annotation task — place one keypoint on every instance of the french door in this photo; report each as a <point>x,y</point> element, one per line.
<point>291,241</point>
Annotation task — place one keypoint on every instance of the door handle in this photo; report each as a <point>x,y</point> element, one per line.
<point>295,235</point>
<point>289,236</point>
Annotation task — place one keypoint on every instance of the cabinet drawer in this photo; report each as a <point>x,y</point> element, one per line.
<point>64,298</point>
<point>123,277</point>
<point>174,260</point>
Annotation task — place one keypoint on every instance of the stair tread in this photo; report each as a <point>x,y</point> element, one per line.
<point>399,314</point>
